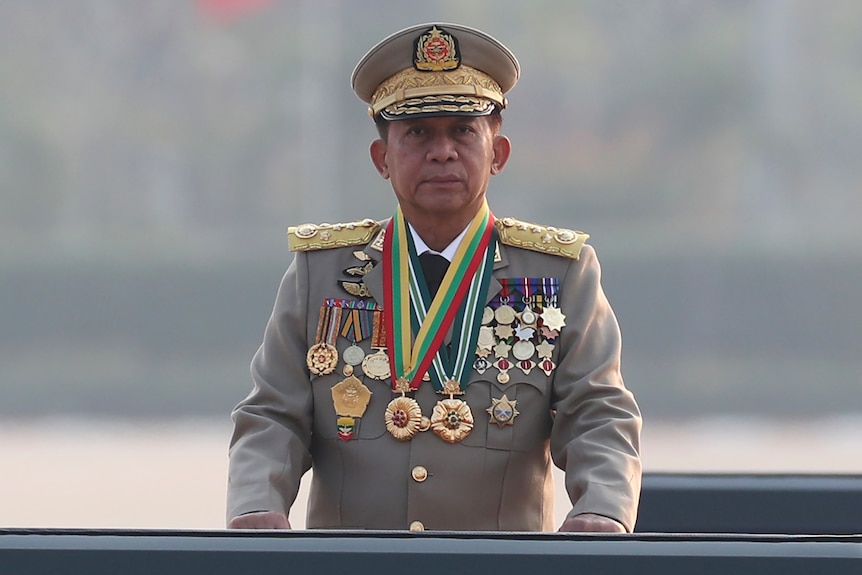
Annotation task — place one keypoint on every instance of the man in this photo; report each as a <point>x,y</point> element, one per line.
<point>435,394</point>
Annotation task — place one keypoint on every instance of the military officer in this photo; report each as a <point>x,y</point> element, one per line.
<point>431,367</point>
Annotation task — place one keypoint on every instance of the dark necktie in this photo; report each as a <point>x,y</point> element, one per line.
<point>434,267</point>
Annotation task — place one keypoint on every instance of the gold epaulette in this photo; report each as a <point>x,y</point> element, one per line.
<point>546,239</point>
<point>309,237</point>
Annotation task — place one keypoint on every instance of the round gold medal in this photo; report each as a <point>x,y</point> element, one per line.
<point>523,349</point>
<point>486,338</point>
<point>322,358</point>
<point>487,315</point>
<point>504,314</point>
<point>403,418</point>
<point>376,365</point>
<point>452,420</point>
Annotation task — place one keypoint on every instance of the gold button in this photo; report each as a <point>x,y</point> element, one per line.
<point>417,526</point>
<point>419,473</point>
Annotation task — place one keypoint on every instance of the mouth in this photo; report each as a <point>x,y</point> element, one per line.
<point>443,179</point>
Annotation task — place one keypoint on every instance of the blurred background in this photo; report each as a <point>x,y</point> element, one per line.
<point>152,155</point>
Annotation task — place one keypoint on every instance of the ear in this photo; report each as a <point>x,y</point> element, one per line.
<point>378,158</point>
<point>502,150</point>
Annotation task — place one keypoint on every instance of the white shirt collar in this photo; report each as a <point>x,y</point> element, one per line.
<point>448,253</point>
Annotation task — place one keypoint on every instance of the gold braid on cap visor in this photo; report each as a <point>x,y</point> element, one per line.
<point>465,89</point>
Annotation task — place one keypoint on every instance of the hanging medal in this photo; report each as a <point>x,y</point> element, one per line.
<point>452,419</point>
<point>552,317</point>
<point>487,315</point>
<point>322,357</point>
<point>485,342</point>
<point>552,320</point>
<point>502,363</point>
<point>545,350</point>
<point>356,327</point>
<point>376,365</point>
<point>523,347</point>
<point>403,415</point>
<point>408,306</point>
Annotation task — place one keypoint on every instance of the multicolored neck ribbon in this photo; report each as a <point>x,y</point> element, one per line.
<point>461,294</point>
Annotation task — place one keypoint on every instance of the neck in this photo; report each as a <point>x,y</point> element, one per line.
<point>438,236</point>
<point>439,230</point>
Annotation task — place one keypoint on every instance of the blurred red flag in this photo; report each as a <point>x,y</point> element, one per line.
<point>226,11</point>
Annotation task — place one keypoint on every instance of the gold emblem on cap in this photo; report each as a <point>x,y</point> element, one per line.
<point>436,51</point>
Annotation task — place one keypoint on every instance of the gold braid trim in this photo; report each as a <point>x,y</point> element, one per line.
<point>309,237</point>
<point>410,84</point>
<point>546,239</point>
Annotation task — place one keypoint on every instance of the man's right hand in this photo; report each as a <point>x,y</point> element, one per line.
<point>260,520</point>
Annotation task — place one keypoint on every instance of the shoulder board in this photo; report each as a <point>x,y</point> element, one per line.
<point>310,237</point>
<point>546,239</point>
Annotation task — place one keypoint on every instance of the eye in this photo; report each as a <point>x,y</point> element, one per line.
<point>464,130</point>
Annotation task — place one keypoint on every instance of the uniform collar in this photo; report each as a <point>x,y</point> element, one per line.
<point>422,247</point>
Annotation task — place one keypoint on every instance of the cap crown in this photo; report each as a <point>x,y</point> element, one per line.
<point>435,69</point>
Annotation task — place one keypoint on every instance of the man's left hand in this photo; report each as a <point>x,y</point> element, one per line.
<point>592,523</point>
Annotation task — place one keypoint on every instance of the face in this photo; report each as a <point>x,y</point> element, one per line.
<point>439,167</point>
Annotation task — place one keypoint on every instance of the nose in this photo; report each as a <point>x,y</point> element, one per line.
<point>442,149</point>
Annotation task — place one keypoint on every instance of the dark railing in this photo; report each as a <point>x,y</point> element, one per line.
<point>766,503</point>
<point>705,524</point>
<point>315,552</point>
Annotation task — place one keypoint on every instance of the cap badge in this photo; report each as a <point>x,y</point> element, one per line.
<point>436,51</point>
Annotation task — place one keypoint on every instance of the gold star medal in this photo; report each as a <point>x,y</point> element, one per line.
<point>553,318</point>
<point>545,349</point>
<point>502,411</point>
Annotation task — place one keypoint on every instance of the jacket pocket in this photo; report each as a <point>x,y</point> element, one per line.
<point>527,396</point>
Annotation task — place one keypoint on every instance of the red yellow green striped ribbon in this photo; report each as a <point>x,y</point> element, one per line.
<point>409,358</point>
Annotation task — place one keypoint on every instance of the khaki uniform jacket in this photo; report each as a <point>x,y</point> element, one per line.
<point>581,416</point>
